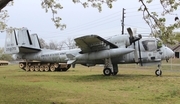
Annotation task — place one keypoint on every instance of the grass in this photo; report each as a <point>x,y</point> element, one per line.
<point>83,85</point>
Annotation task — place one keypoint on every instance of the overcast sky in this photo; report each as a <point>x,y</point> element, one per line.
<point>79,21</point>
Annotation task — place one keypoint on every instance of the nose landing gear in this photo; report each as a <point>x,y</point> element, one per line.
<point>158,72</point>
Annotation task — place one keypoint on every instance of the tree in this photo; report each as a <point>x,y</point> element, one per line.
<point>56,46</point>
<point>54,6</point>
<point>3,3</point>
<point>51,45</point>
<point>70,43</point>
<point>43,44</point>
<point>5,56</point>
<point>155,21</point>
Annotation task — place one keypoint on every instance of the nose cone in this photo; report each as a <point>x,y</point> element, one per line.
<point>169,53</point>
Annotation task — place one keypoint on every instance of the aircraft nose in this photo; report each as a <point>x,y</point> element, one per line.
<point>169,53</point>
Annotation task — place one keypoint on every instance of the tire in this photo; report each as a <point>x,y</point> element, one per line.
<point>158,72</point>
<point>107,71</point>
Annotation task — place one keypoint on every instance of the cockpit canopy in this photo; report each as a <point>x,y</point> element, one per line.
<point>152,45</point>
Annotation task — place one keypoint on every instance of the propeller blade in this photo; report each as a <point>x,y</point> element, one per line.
<point>136,53</point>
<point>137,49</point>
<point>130,32</point>
<point>140,58</point>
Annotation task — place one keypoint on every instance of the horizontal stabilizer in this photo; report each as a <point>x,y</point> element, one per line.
<point>70,61</point>
<point>71,58</point>
<point>28,49</point>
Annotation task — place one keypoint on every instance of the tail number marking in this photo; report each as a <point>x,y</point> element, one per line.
<point>11,49</point>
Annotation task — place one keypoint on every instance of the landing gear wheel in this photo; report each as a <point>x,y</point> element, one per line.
<point>107,71</point>
<point>158,72</point>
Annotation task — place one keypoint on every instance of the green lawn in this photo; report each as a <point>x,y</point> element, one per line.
<point>82,85</point>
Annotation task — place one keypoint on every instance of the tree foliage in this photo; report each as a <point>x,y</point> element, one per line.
<point>6,57</point>
<point>54,6</point>
<point>3,3</point>
<point>68,44</point>
<point>4,13</point>
<point>156,22</point>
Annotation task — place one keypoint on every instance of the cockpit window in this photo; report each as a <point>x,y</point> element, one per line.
<point>149,45</point>
<point>159,44</point>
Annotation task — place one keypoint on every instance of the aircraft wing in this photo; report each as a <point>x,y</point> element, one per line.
<point>93,43</point>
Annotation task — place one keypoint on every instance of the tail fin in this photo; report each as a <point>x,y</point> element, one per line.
<point>35,41</point>
<point>11,44</point>
<point>25,43</point>
<point>28,43</point>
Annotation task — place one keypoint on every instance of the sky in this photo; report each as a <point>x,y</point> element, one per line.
<point>79,20</point>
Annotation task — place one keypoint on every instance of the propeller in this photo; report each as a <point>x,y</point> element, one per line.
<point>133,39</point>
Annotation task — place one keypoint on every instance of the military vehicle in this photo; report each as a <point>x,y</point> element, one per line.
<point>43,66</point>
<point>2,62</point>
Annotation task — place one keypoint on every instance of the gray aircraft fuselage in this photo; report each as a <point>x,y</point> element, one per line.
<point>147,49</point>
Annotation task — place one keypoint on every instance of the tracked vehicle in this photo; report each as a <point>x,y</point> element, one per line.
<point>43,66</point>
<point>2,62</point>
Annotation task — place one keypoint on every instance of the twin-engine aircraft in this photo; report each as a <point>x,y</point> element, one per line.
<point>93,49</point>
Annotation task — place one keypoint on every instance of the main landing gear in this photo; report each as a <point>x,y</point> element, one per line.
<point>158,72</point>
<point>109,68</point>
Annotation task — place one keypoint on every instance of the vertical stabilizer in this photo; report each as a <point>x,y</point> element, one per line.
<point>28,43</point>
<point>11,44</point>
<point>24,38</point>
<point>35,41</point>
<point>23,42</point>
